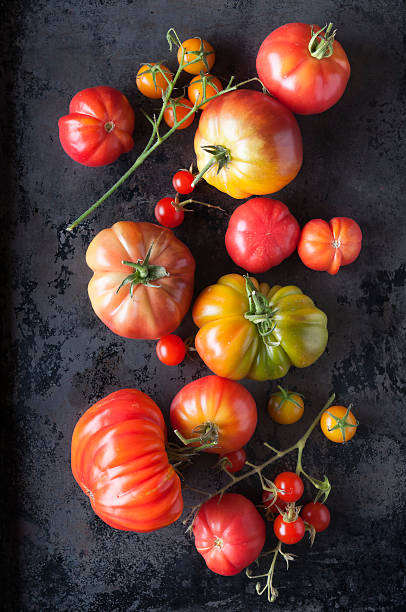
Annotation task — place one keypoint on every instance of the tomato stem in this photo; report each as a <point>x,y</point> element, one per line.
<point>220,157</point>
<point>321,45</point>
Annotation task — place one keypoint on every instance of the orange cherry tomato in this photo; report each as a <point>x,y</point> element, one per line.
<point>197,48</point>
<point>285,407</point>
<point>203,83</point>
<point>338,424</point>
<point>151,82</point>
<point>177,110</point>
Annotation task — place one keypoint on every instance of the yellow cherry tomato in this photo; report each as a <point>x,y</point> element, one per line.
<point>338,424</point>
<point>285,407</point>
<point>197,48</point>
<point>150,80</point>
<point>203,85</point>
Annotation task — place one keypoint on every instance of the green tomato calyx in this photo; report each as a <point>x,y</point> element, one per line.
<point>321,42</point>
<point>342,423</point>
<point>143,274</point>
<point>260,312</point>
<point>220,157</point>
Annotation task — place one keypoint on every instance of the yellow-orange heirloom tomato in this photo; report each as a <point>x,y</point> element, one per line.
<point>248,143</point>
<point>250,330</point>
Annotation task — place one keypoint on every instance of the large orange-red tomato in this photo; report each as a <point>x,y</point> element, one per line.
<point>142,281</point>
<point>215,409</point>
<point>304,67</point>
<point>250,143</point>
<point>99,126</point>
<point>327,246</point>
<point>119,460</point>
<point>229,533</point>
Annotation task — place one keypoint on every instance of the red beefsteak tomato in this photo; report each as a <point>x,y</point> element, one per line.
<point>229,533</point>
<point>261,233</point>
<point>119,460</point>
<point>142,282</point>
<point>99,126</point>
<point>304,67</point>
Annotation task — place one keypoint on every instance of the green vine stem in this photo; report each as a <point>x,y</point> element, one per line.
<point>271,590</point>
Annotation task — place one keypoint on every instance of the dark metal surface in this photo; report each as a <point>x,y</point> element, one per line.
<point>57,358</point>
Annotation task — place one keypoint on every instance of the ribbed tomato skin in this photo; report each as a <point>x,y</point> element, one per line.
<point>119,460</point>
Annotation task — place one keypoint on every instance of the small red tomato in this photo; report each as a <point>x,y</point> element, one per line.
<point>291,486</point>
<point>167,215</point>
<point>327,246</point>
<point>176,112</point>
<point>171,350</point>
<point>237,460</point>
<point>182,182</point>
<point>317,515</point>
<point>272,503</point>
<point>289,532</point>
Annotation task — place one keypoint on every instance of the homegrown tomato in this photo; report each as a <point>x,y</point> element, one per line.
<point>261,233</point>
<point>229,533</point>
<point>327,246</point>
<point>304,67</point>
<point>176,111</point>
<point>171,350</point>
<point>119,460</point>
<point>317,515</point>
<point>248,330</point>
<point>150,80</point>
<point>98,128</point>
<point>291,486</point>
<point>166,214</point>
<point>248,143</point>
<point>203,86</point>
<point>285,407</point>
<point>142,281</point>
<point>237,460</point>
<point>289,532</point>
<point>196,49</point>
<point>182,182</point>
<point>214,409</point>
<point>272,502</point>
<point>338,424</point>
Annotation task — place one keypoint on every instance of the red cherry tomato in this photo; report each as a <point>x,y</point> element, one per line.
<point>182,182</point>
<point>98,128</point>
<point>289,533</point>
<point>291,486</point>
<point>306,72</point>
<point>327,246</point>
<point>261,233</point>
<point>237,460</point>
<point>182,108</point>
<point>171,350</point>
<point>272,503</point>
<point>316,514</point>
<point>167,215</point>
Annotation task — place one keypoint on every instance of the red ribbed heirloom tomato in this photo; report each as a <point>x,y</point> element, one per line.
<point>214,409</point>
<point>229,533</point>
<point>142,281</point>
<point>304,67</point>
<point>119,460</point>
<point>248,143</point>
<point>261,233</point>
<point>99,126</point>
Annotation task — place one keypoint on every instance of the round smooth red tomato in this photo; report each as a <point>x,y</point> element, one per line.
<point>196,49</point>
<point>317,515</point>
<point>142,281</point>
<point>150,80</point>
<point>171,350</point>
<point>272,502</point>
<point>237,460</point>
<point>177,111</point>
<point>167,215</point>
<point>215,409</point>
<point>291,486</point>
<point>327,246</point>
<point>229,533</point>
<point>289,532</point>
<point>261,233</point>
<point>119,460</point>
<point>182,181</point>
<point>338,424</point>
<point>304,67</point>
<point>197,91</point>
<point>98,128</point>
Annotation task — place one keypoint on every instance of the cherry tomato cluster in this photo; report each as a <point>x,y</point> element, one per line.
<point>169,211</point>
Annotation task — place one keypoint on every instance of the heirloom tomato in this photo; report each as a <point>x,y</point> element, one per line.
<point>304,67</point>
<point>261,233</point>
<point>338,424</point>
<point>327,246</point>
<point>229,533</point>
<point>250,330</point>
<point>214,409</point>
<point>142,281</point>
<point>317,515</point>
<point>98,128</point>
<point>248,143</point>
<point>119,460</point>
<point>196,49</point>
